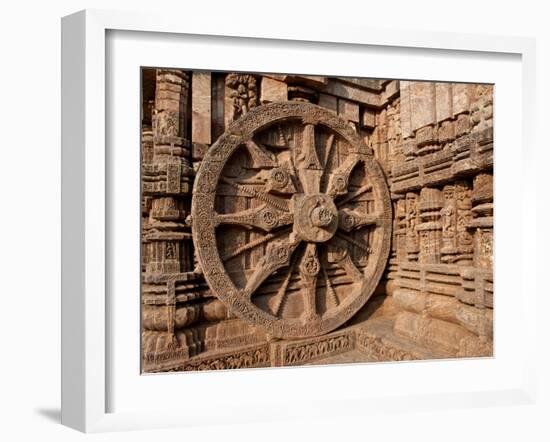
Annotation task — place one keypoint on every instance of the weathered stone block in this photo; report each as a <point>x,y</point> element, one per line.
<point>483,188</point>
<point>365,83</point>
<point>329,102</point>
<point>342,90</point>
<point>434,332</point>
<point>444,101</point>
<point>462,97</point>
<point>405,109</point>
<point>348,110</point>
<point>391,90</point>
<point>477,320</point>
<point>442,307</point>
<point>313,81</point>
<point>201,99</point>
<point>368,119</point>
<point>273,90</point>
<point>462,124</point>
<point>473,346</point>
<point>409,147</point>
<point>425,136</point>
<point>422,104</point>
<point>410,300</point>
<point>446,131</point>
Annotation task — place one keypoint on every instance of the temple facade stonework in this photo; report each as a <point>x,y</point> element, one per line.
<point>301,220</point>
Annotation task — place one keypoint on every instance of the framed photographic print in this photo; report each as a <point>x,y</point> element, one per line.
<point>252,231</point>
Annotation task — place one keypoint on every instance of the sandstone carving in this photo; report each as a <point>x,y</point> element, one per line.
<point>296,220</point>
<point>299,193</point>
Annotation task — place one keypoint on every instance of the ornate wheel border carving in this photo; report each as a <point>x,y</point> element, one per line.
<point>204,225</point>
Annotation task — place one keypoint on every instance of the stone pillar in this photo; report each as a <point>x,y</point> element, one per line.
<point>411,217</point>
<point>482,222</point>
<point>465,240</point>
<point>400,230</point>
<point>393,134</point>
<point>397,251</point>
<point>146,160</point>
<point>430,227</point>
<point>407,132</point>
<point>201,121</point>
<point>166,180</point>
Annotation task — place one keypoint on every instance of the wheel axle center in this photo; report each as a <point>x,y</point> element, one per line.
<point>321,216</point>
<point>315,217</point>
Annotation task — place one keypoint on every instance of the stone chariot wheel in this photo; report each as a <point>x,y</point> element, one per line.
<point>291,219</point>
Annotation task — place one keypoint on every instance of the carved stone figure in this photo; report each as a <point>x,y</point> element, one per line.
<point>243,94</point>
<point>448,225</point>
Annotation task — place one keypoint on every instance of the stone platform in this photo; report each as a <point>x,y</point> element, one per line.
<point>371,340</point>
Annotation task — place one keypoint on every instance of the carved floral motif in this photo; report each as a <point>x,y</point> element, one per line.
<point>301,353</point>
<point>247,359</point>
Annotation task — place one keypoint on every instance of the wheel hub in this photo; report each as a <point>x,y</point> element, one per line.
<point>315,217</point>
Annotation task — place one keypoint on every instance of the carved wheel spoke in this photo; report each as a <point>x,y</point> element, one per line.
<point>260,157</point>
<point>264,217</point>
<point>252,244</point>
<point>338,253</point>
<point>307,162</point>
<point>278,203</point>
<point>357,243</point>
<point>293,188</point>
<point>281,293</point>
<point>349,220</point>
<point>309,269</point>
<point>353,195</point>
<point>277,255</point>
<point>339,179</point>
<point>330,290</point>
<point>350,268</point>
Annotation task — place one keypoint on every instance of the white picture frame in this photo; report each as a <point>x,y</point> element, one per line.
<point>87,215</point>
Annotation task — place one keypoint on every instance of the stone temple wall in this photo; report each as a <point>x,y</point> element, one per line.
<point>435,145</point>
